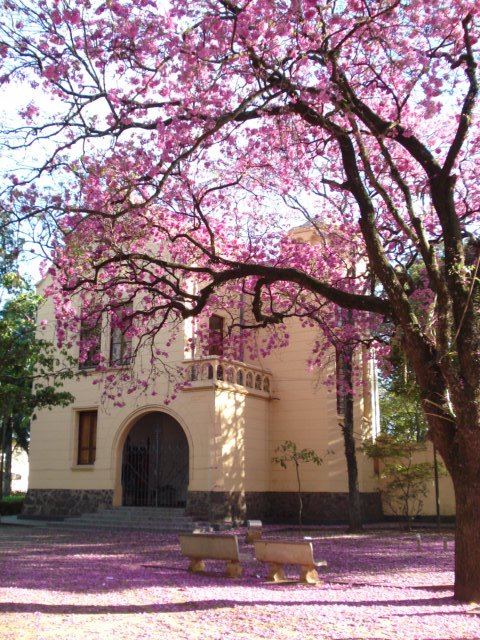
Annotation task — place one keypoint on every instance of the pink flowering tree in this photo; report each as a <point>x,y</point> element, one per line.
<point>181,142</point>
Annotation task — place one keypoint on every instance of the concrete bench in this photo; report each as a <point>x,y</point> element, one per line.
<point>199,547</point>
<point>254,530</point>
<point>277,553</point>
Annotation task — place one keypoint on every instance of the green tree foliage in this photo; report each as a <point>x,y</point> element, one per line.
<point>401,411</point>
<point>10,248</point>
<point>31,372</point>
<point>403,433</point>
<point>401,414</point>
<point>406,481</point>
<point>288,453</point>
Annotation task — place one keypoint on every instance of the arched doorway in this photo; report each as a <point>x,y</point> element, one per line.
<point>155,463</point>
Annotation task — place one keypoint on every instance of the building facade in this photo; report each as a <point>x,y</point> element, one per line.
<point>208,450</point>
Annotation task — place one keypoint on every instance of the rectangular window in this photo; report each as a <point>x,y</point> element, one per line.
<point>120,337</point>
<point>215,332</point>
<point>87,437</point>
<point>90,335</point>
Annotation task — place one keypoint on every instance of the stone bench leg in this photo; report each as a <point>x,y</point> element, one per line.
<point>275,572</point>
<point>196,565</point>
<point>234,570</point>
<point>253,535</point>
<point>309,575</point>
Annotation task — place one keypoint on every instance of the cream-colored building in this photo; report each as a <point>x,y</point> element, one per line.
<point>208,450</point>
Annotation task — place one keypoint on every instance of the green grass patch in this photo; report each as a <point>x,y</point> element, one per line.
<point>11,505</point>
<point>15,497</point>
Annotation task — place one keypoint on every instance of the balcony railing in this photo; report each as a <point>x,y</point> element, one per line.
<point>213,370</point>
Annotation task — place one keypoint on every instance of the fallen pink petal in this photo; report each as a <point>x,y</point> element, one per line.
<point>378,585</point>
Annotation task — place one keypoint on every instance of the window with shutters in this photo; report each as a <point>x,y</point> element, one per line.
<point>87,437</point>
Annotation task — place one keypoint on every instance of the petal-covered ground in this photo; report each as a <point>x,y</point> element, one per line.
<point>58,584</point>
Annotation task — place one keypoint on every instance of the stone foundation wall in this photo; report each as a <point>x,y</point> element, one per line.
<point>217,506</point>
<point>320,508</point>
<point>279,507</point>
<point>213,506</point>
<point>61,503</point>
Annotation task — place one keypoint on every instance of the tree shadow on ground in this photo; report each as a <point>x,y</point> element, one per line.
<point>202,605</point>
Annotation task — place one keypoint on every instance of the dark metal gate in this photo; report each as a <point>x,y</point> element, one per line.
<point>135,475</point>
<point>155,464</point>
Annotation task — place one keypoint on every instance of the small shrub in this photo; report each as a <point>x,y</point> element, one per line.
<point>287,453</point>
<point>12,505</point>
<point>406,481</point>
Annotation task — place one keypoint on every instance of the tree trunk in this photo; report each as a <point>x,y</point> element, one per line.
<point>2,453</point>
<point>354,507</point>
<point>7,482</point>
<point>453,415</point>
<point>467,539</point>
<point>300,500</point>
